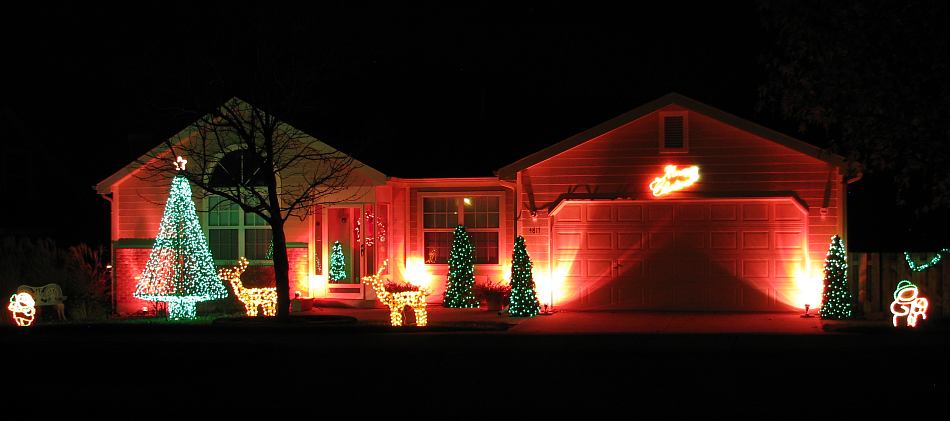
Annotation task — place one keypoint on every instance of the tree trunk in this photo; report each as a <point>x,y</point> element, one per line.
<point>281,269</point>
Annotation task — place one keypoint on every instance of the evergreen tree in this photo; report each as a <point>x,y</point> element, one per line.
<point>458,289</point>
<point>836,299</point>
<point>180,270</point>
<point>337,264</point>
<point>523,300</point>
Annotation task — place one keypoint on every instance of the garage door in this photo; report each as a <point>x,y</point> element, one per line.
<point>701,255</point>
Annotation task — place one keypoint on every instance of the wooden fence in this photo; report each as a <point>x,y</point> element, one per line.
<point>873,277</point>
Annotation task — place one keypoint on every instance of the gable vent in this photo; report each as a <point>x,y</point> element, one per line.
<point>673,132</point>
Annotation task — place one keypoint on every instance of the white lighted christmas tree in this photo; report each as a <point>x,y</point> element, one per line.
<point>180,270</point>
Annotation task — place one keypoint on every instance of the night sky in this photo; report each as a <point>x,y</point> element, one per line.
<point>90,88</point>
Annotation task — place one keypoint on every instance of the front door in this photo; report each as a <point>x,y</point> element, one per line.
<point>355,246</point>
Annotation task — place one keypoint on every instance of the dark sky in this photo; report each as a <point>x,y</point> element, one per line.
<point>89,89</point>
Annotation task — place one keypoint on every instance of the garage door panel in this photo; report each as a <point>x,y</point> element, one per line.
<point>629,240</point>
<point>690,213</point>
<point>690,295</point>
<point>724,240</point>
<point>789,240</point>
<point>631,296</point>
<point>599,213</point>
<point>660,296</point>
<point>659,213</point>
<point>752,240</point>
<point>629,213</point>
<point>690,269</point>
<point>723,268</point>
<point>723,213</point>
<point>661,240</point>
<point>600,241</point>
<point>630,268</point>
<point>755,212</point>
<point>568,240</point>
<point>597,268</point>
<point>755,298</point>
<point>660,268</point>
<point>755,268</point>
<point>689,240</point>
<point>786,268</point>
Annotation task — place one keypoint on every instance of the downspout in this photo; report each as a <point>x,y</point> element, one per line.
<point>108,196</point>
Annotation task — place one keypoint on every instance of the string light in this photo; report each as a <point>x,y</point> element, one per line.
<point>180,270</point>
<point>523,300</point>
<point>397,301</point>
<point>266,298</point>
<point>674,179</point>
<point>908,303</point>
<point>458,290</point>
<point>836,298</point>
<point>337,263</point>
<point>23,308</point>
<point>380,230</point>
<point>920,267</point>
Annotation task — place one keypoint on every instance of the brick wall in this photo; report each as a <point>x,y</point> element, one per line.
<point>129,263</point>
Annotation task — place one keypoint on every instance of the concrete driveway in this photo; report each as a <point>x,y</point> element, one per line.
<point>599,322</point>
<point>611,322</point>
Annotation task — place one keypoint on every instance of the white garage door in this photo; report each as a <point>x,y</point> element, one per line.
<point>705,255</point>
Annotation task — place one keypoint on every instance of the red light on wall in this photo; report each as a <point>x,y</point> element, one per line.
<point>674,179</point>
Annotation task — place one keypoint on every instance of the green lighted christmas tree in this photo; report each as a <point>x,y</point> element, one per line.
<point>523,300</point>
<point>180,270</point>
<point>836,300</point>
<point>458,290</point>
<point>337,264</point>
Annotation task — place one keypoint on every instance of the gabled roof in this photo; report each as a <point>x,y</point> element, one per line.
<point>105,186</point>
<point>509,171</point>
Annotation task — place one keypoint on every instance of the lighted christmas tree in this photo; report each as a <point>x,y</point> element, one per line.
<point>337,264</point>
<point>523,300</point>
<point>180,270</point>
<point>458,289</point>
<point>836,300</point>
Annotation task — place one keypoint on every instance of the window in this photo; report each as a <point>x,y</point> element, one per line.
<point>479,214</point>
<point>233,233</point>
<point>674,130</point>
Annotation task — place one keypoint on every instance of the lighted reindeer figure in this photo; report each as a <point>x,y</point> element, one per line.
<point>399,300</point>
<point>251,297</point>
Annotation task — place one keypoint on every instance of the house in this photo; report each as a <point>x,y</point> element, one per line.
<point>741,223</point>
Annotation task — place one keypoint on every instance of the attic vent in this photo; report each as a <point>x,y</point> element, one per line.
<point>673,129</point>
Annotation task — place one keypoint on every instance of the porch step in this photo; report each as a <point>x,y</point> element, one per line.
<point>342,303</point>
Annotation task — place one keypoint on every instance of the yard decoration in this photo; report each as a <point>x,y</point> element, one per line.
<point>674,179</point>
<point>180,270</point>
<point>908,303</point>
<point>523,300</point>
<point>836,299</point>
<point>23,309</point>
<point>458,289</point>
<point>337,264</point>
<point>920,267</point>
<point>397,301</point>
<point>266,298</point>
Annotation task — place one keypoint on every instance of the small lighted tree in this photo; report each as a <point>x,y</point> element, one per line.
<point>337,263</point>
<point>180,270</point>
<point>836,299</point>
<point>523,300</point>
<point>458,289</point>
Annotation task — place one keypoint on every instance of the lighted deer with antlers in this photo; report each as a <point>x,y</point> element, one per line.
<point>399,300</point>
<point>250,297</point>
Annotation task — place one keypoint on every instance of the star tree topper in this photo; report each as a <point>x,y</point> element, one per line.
<point>180,163</point>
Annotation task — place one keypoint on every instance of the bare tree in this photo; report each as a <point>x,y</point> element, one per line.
<point>283,172</point>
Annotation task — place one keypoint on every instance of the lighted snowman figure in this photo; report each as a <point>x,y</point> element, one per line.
<point>908,303</point>
<point>23,308</point>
